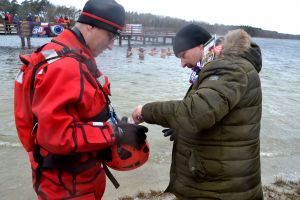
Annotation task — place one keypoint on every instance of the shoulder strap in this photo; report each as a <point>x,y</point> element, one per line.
<point>48,58</point>
<point>110,176</point>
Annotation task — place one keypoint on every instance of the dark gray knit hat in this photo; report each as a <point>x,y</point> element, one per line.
<point>189,37</point>
<point>104,14</point>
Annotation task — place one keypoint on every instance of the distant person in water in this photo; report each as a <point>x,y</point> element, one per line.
<point>129,52</point>
<point>163,53</point>
<point>141,53</point>
<point>169,51</point>
<point>153,51</point>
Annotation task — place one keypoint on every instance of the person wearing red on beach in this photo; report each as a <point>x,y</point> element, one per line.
<point>73,126</point>
<point>8,21</point>
<point>60,19</point>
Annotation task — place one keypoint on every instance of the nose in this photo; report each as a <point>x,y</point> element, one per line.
<point>183,63</point>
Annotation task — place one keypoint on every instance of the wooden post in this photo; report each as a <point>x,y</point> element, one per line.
<point>120,40</point>
<point>28,43</point>
<point>129,41</point>
<point>22,42</point>
<point>6,27</point>
<point>164,40</point>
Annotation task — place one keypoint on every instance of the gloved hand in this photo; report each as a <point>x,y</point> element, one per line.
<point>169,132</point>
<point>104,155</point>
<point>131,134</point>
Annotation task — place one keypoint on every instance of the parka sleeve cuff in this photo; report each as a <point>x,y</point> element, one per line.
<point>147,114</point>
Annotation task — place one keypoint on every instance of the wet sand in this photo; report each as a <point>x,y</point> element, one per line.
<point>15,175</point>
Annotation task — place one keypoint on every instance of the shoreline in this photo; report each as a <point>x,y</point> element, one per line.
<point>15,175</point>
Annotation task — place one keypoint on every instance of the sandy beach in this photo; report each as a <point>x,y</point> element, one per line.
<point>15,175</point>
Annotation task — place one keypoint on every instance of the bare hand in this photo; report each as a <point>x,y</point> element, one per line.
<point>137,115</point>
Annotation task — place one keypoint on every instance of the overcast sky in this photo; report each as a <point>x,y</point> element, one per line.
<point>278,15</point>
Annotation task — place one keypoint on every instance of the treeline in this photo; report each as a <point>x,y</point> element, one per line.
<point>150,22</point>
<point>157,23</point>
<point>42,8</point>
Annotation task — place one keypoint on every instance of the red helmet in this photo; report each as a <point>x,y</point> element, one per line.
<point>126,157</point>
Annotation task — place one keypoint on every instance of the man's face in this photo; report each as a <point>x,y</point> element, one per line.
<point>99,40</point>
<point>190,57</point>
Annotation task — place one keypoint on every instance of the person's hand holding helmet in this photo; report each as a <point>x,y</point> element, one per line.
<point>131,134</point>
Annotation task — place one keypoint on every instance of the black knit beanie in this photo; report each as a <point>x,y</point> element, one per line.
<point>189,37</point>
<point>104,14</point>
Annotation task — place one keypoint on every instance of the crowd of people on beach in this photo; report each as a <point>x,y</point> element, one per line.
<point>32,25</point>
<point>8,20</point>
<point>142,52</point>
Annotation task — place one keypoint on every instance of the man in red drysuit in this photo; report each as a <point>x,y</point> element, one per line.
<point>74,124</point>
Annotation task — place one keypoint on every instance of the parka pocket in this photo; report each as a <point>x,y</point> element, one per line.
<point>203,168</point>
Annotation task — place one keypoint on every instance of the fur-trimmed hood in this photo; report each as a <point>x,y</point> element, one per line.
<point>239,43</point>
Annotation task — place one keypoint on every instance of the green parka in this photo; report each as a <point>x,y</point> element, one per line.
<point>216,152</point>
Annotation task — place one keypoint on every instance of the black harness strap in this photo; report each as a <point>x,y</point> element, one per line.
<point>38,173</point>
<point>37,156</point>
<point>68,163</point>
<point>111,177</point>
<point>61,53</point>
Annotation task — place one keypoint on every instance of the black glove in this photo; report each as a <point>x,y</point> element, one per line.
<point>169,132</point>
<point>104,155</point>
<point>132,134</point>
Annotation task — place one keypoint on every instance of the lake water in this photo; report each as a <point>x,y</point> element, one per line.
<point>135,82</point>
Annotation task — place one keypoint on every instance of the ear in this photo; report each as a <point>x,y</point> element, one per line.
<point>200,47</point>
<point>89,27</point>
